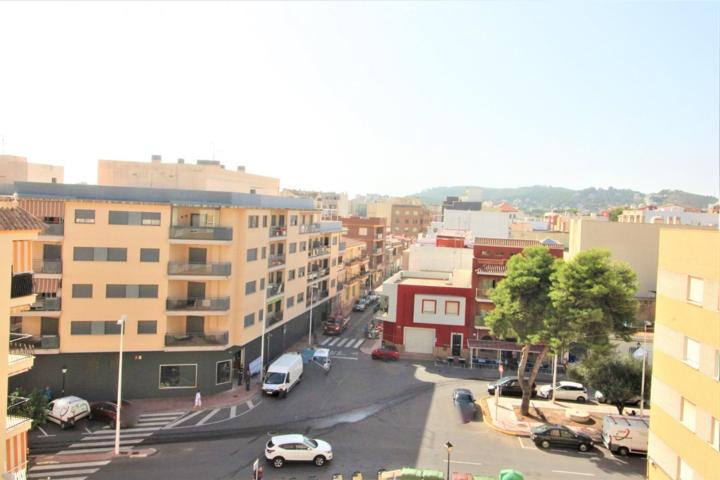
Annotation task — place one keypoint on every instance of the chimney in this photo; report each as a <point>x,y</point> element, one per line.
<point>181,160</point>
<point>156,158</point>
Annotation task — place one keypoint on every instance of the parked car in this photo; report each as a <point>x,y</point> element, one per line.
<point>297,448</point>
<point>359,306</point>
<point>565,390</point>
<point>372,298</point>
<point>509,386</point>
<point>465,402</point>
<point>335,326</point>
<point>66,411</point>
<point>108,411</point>
<point>283,374</point>
<point>623,434</point>
<point>635,400</point>
<point>549,435</point>
<point>386,352</point>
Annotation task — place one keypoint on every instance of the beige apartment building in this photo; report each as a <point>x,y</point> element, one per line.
<point>18,169</point>
<point>684,440</point>
<point>17,230</point>
<point>356,271</point>
<point>196,273</point>
<point>206,175</point>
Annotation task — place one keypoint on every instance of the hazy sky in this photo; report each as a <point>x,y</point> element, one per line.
<point>372,97</point>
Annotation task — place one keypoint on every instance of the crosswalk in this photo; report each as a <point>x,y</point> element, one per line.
<point>340,342</point>
<point>101,441</point>
<point>212,416</point>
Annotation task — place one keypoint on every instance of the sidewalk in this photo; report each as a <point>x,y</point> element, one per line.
<point>234,396</point>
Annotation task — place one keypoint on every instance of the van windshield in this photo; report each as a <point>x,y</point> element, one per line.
<point>275,378</point>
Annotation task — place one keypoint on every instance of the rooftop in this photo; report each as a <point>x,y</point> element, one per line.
<point>504,242</point>
<point>458,278</point>
<point>13,217</point>
<point>491,269</point>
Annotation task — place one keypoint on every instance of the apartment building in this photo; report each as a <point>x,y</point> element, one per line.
<point>197,274</point>
<point>18,169</point>
<point>669,215</point>
<point>206,175</point>
<point>684,439</point>
<point>355,275</point>
<point>372,231</point>
<point>395,246</point>
<point>332,205</point>
<point>409,220</point>
<point>17,230</point>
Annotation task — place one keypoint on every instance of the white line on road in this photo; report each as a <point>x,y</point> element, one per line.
<point>344,358</point>
<point>111,436</point>
<point>138,429</point>
<point>207,417</point>
<point>165,414</point>
<point>358,343</point>
<point>64,472</point>
<point>106,443</point>
<point>72,478</point>
<point>87,430</point>
<point>463,463</point>
<point>183,419</point>
<point>342,342</point>
<point>574,473</point>
<point>151,424</point>
<point>45,434</point>
<point>250,404</point>
<point>334,341</point>
<point>57,466</point>
<point>70,453</point>
<point>233,411</point>
<point>324,342</point>
<point>523,445</point>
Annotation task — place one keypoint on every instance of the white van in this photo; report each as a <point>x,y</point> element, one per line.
<point>66,411</point>
<point>283,374</point>
<point>624,434</point>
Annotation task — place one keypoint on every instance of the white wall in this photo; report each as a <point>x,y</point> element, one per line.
<point>438,259</point>
<point>686,218</point>
<point>480,223</point>
<point>440,317</point>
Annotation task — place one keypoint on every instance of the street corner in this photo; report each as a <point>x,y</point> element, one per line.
<point>502,420</point>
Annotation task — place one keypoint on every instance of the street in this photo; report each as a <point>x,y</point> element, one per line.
<point>374,414</point>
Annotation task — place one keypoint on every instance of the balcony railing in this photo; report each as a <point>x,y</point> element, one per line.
<point>355,261</point>
<point>319,295</point>
<point>482,293</point>
<point>219,269</point>
<point>274,317</point>
<point>316,252</point>
<point>316,274</point>
<point>21,285</point>
<point>187,339</point>
<point>48,342</point>
<point>276,260</point>
<point>310,228</point>
<point>41,265</point>
<point>199,304</point>
<point>340,286</point>
<point>21,344</point>
<point>17,412</point>
<point>54,230</point>
<point>274,289</point>
<point>278,232</point>
<point>46,304</point>
<point>186,232</point>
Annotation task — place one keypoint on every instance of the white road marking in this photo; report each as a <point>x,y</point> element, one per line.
<point>358,343</point>
<point>574,473</point>
<point>207,417</point>
<point>45,434</point>
<point>334,341</point>
<point>108,435</point>
<point>341,342</point>
<point>57,466</point>
<point>463,463</point>
<point>91,450</point>
<point>344,358</point>
<point>106,443</point>
<point>140,429</point>
<point>64,472</point>
<point>151,424</point>
<point>250,404</point>
<point>233,411</point>
<point>87,430</point>
<point>523,445</point>
<point>72,478</point>
<point>166,414</point>
<point>183,419</point>
<point>324,342</point>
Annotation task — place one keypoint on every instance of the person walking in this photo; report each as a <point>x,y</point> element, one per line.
<point>246,377</point>
<point>198,399</point>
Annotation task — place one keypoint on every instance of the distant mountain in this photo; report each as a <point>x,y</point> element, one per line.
<point>539,197</point>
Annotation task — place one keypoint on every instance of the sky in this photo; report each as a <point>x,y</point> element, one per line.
<point>383,97</point>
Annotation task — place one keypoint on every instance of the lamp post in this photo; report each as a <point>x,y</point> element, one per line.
<point>64,371</point>
<point>449,447</point>
<point>118,406</point>
<point>312,301</point>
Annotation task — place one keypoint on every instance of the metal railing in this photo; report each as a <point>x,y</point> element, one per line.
<point>356,260</point>
<point>274,289</point>
<point>214,304</point>
<point>316,274</point>
<point>276,260</point>
<point>188,339</point>
<point>316,252</point>
<point>21,285</point>
<point>186,232</point>
<point>46,304</point>
<point>40,265</point>
<point>220,269</point>
<point>49,342</point>
<point>54,230</point>
<point>309,228</point>
<point>278,232</point>
<point>274,317</point>
<point>21,344</point>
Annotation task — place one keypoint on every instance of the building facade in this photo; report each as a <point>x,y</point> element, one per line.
<point>197,274</point>
<point>372,231</point>
<point>669,215</point>
<point>480,223</point>
<point>355,274</point>
<point>18,169</point>
<point>684,439</point>
<point>408,220</point>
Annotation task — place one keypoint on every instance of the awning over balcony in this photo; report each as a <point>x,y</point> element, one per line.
<point>46,285</point>
<point>43,208</point>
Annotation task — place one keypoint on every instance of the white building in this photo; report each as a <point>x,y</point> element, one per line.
<point>479,222</point>
<point>670,215</point>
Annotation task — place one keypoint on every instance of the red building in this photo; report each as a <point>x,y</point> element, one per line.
<point>372,231</point>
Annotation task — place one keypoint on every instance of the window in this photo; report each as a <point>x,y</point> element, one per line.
<point>263,253</point>
<point>334,240</point>
<point>99,254</point>
<point>147,327</point>
<point>84,216</point>
<point>117,254</point>
<point>223,371</point>
<point>686,472</point>
<point>264,221</point>
<point>691,355</point>
<point>300,297</point>
<point>695,290</point>
<point>334,262</point>
<point>332,283</point>
<point>301,272</point>
<point>428,306</point>
<point>149,254</point>
<point>82,290</point>
<point>292,248</point>
<point>250,287</point>
<point>262,284</point>
<point>362,231</point>
<point>134,218</point>
<point>293,220</point>
<point>251,254</point>
<point>688,415</point>
<point>131,291</point>
<point>452,308</point>
<point>178,376</point>
<point>290,302</point>
<point>303,246</point>
<point>291,275</point>
<point>252,221</point>
<point>249,320</point>
<point>716,434</point>
<point>95,328</point>
<point>260,315</point>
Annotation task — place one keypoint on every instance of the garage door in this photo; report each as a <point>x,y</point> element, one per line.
<point>419,340</point>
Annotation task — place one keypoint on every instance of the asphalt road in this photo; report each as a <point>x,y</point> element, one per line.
<point>375,415</point>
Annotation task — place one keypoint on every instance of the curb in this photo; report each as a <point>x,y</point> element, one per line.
<point>487,419</point>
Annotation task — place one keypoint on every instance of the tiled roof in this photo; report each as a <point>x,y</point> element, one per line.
<point>506,242</point>
<point>498,269</point>
<point>15,218</point>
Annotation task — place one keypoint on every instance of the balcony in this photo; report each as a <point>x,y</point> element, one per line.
<point>273,290</point>
<point>319,296</point>
<point>192,340</point>
<point>47,267</point>
<point>45,343</point>
<point>46,304</point>
<point>274,317</point>
<point>482,294</point>
<point>318,251</point>
<point>340,286</point>
<point>276,260</point>
<point>318,274</point>
<point>377,251</point>
<point>199,235</point>
<point>278,232</point>
<point>20,354</point>
<point>309,228</point>
<point>53,230</point>
<point>355,261</point>
<point>195,270</point>
<point>195,305</point>
<point>17,420</point>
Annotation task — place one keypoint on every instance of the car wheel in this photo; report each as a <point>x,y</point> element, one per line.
<point>623,451</point>
<point>545,444</point>
<point>71,423</point>
<point>319,461</point>
<point>278,462</point>
<point>583,447</point>
<point>90,416</point>
<point>581,399</point>
<point>63,426</point>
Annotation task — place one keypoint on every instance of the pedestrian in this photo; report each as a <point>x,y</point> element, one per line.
<point>48,393</point>
<point>198,399</point>
<point>246,376</point>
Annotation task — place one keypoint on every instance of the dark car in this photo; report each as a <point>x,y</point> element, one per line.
<point>465,402</point>
<point>509,386</point>
<point>546,436</point>
<point>359,306</point>
<point>386,352</point>
<point>108,411</point>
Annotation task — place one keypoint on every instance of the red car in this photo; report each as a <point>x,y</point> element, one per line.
<point>386,352</point>
<point>108,411</point>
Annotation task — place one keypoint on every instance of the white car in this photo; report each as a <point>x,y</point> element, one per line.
<point>565,391</point>
<point>66,411</point>
<point>297,448</point>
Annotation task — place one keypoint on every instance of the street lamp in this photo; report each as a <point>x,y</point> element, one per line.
<point>312,301</point>
<point>449,447</point>
<point>64,371</point>
<point>121,321</point>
